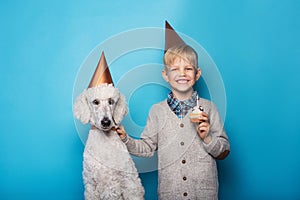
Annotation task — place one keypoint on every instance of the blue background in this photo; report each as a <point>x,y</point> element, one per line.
<point>255,44</point>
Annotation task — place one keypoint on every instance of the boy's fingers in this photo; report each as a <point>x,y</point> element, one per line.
<point>202,132</point>
<point>120,130</point>
<point>203,119</point>
<point>203,124</point>
<point>204,114</point>
<point>203,127</point>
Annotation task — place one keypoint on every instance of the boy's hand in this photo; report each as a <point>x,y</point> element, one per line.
<point>121,132</point>
<point>203,128</point>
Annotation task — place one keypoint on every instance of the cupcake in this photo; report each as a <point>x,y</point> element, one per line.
<point>196,113</point>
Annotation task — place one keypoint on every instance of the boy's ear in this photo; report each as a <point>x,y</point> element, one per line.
<point>164,75</point>
<point>198,74</point>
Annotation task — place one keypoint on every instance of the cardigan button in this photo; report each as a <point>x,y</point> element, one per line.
<point>184,178</point>
<point>183,161</point>
<point>185,194</point>
<point>181,125</point>
<point>181,143</point>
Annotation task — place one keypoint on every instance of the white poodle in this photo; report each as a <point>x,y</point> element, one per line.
<point>108,170</point>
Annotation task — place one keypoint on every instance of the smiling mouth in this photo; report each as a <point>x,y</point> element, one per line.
<point>182,81</point>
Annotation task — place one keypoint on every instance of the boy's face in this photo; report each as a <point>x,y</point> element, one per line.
<point>181,76</point>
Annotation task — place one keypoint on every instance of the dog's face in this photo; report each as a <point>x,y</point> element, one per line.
<point>105,107</point>
<point>102,104</point>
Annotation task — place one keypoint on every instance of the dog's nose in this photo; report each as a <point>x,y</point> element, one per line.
<point>105,122</point>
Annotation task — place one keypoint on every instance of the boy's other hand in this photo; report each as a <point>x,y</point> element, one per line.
<point>121,131</point>
<point>203,127</point>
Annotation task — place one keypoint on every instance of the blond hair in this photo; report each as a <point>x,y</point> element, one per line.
<point>181,51</point>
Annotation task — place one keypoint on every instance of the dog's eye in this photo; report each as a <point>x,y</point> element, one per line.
<point>111,101</point>
<point>96,102</point>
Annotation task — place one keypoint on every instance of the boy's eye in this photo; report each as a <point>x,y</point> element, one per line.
<point>96,102</point>
<point>111,101</point>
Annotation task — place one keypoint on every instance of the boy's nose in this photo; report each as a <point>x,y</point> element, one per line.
<point>181,72</point>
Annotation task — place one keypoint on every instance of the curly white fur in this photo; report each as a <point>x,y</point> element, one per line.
<point>108,170</point>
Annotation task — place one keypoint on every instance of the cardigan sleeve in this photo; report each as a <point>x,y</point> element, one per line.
<point>147,145</point>
<point>219,146</point>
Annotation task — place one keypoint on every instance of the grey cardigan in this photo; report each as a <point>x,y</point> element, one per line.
<point>186,165</point>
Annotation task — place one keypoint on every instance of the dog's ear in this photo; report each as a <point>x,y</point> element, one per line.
<point>120,109</point>
<point>81,109</point>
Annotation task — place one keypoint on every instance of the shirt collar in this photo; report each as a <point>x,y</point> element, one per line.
<point>174,103</point>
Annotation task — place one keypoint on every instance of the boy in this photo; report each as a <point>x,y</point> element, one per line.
<point>186,150</point>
